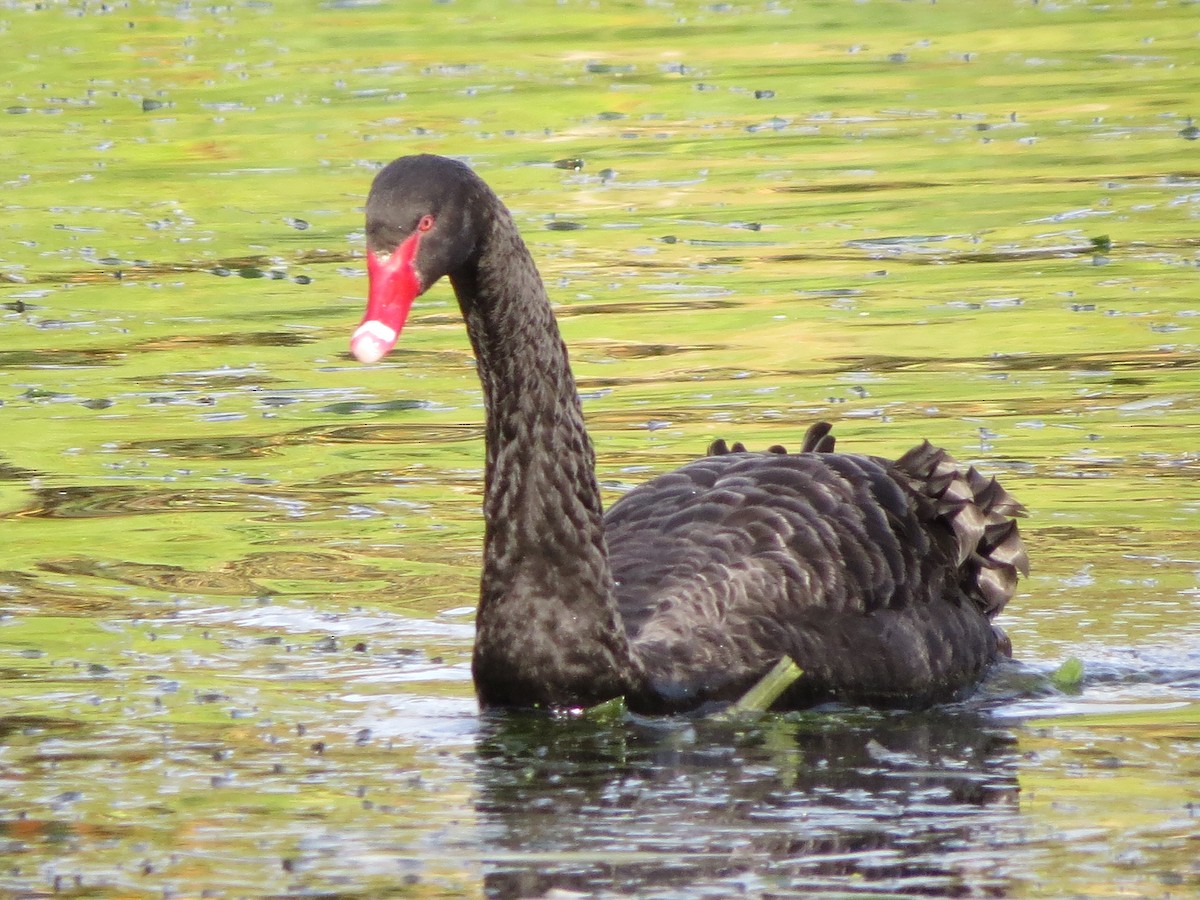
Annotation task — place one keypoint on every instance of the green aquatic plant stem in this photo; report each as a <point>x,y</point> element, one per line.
<point>766,691</point>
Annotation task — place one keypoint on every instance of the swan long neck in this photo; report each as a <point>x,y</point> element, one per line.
<point>548,629</point>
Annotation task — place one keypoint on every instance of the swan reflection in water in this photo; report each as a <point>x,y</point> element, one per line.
<point>902,804</point>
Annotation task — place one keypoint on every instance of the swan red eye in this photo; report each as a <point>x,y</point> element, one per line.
<point>425,224</point>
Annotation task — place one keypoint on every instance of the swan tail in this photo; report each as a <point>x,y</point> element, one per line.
<point>980,514</point>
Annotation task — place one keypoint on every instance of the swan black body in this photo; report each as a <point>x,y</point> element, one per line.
<point>879,578</point>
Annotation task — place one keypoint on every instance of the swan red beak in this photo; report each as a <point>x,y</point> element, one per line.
<point>394,284</point>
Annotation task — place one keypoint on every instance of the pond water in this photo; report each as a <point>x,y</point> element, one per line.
<point>239,568</point>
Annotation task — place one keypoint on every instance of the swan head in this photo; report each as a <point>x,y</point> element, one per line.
<point>421,215</point>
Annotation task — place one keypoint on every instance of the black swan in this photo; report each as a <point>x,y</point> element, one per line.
<point>880,579</point>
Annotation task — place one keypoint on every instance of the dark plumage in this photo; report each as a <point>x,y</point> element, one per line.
<point>879,578</point>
